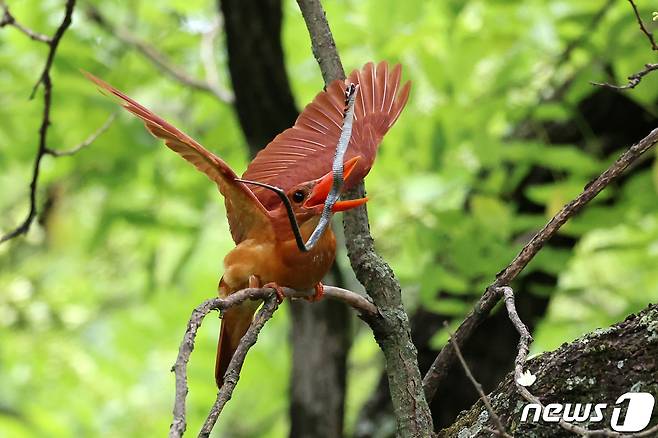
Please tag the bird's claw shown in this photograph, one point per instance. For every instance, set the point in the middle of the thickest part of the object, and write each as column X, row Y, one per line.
column 280, row 295
column 319, row 293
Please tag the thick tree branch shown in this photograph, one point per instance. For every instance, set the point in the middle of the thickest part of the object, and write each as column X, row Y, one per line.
column 179, row 424
column 600, row 366
column 391, row 330
column 322, row 41
column 491, row 296
column 159, row 59
column 44, row 79
column 523, row 350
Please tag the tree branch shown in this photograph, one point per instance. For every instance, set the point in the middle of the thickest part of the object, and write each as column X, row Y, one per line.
column 491, row 296
column 159, row 59
column 500, row 429
column 322, row 41
column 179, row 424
column 633, row 80
column 643, row 27
column 88, row 141
column 44, row 79
column 391, row 330
column 9, row 20
column 233, row 372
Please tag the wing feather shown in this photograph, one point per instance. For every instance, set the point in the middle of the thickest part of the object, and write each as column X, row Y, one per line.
column 309, row 146
column 246, row 215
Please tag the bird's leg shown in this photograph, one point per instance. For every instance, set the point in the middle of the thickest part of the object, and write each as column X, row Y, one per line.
column 254, row 281
column 280, row 296
column 319, row 293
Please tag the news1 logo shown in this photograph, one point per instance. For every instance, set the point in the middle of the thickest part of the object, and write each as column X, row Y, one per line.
column 638, row 413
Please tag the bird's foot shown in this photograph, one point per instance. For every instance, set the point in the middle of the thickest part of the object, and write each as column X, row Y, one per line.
column 280, row 295
column 319, row 293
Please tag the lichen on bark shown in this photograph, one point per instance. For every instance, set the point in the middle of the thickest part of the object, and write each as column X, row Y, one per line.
column 596, row 368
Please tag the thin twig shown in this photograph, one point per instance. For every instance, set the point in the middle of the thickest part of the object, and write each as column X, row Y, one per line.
column 525, row 339
column 643, row 27
column 232, row 374
column 158, row 58
column 500, row 428
column 9, row 20
column 88, row 141
column 633, row 80
column 486, row 303
column 44, row 79
column 179, row 424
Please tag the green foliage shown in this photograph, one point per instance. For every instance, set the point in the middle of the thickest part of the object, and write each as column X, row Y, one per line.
column 94, row 301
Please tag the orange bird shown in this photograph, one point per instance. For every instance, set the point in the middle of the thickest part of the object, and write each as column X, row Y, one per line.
column 298, row 161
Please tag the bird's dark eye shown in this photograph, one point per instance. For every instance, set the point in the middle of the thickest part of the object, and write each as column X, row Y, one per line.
column 298, row 196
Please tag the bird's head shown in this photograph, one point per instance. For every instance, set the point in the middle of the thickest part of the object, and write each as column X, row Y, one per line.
column 308, row 198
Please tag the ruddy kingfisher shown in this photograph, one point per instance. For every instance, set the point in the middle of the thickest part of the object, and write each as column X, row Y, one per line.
column 298, row 161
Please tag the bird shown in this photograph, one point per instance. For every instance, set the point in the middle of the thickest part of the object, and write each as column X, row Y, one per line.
column 299, row 162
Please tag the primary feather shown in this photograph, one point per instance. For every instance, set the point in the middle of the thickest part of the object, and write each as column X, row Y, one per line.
column 305, row 151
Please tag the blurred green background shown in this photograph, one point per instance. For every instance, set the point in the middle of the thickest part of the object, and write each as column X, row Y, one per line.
column 130, row 238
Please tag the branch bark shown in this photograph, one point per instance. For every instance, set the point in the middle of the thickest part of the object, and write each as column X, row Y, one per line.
column 391, row 330
column 643, row 28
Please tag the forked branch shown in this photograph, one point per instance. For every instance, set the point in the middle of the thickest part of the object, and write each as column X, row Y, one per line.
column 46, row 81
column 179, row 423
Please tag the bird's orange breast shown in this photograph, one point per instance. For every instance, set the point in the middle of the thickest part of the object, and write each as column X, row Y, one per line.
column 280, row 262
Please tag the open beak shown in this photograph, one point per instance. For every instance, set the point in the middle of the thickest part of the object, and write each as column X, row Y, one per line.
column 323, row 187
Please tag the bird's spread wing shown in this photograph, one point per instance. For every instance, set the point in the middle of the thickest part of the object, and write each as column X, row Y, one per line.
column 246, row 215
column 305, row 151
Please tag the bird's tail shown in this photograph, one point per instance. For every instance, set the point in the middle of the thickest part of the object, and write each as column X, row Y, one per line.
column 235, row 322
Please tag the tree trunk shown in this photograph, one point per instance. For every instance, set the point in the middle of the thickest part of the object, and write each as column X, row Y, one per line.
column 320, row 332
column 321, row 338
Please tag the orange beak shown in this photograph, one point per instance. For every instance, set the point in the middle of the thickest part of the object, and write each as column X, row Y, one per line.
column 323, row 187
